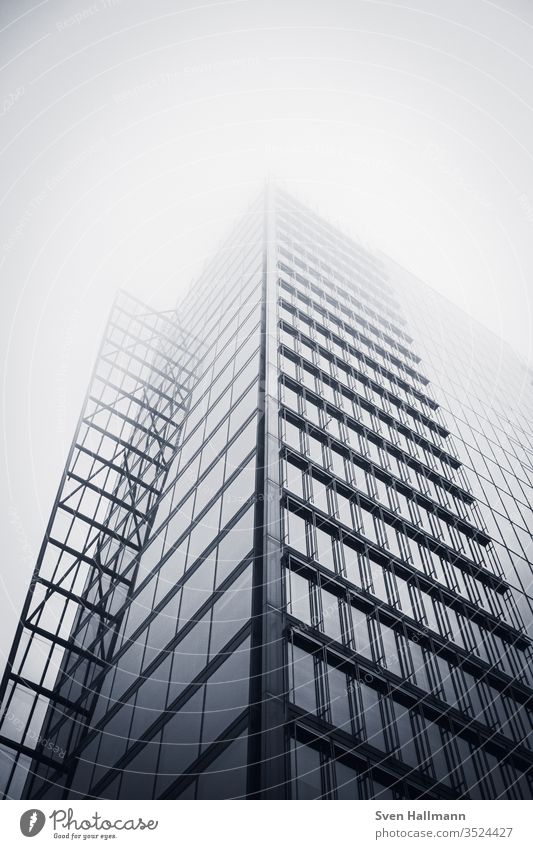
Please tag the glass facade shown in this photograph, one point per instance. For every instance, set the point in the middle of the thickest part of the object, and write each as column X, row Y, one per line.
column 323, row 589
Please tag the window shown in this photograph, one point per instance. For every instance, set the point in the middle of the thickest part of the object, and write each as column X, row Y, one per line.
column 293, row 479
column 225, row 777
column 299, row 598
column 338, row 464
column 325, row 552
column 203, row 532
column 238, row 492
column 180, row 742
column 347, row 782
column 339, row 699
column 307, row 780
column 231, row 611
column 235, row 545
column 419, row 666
column 295, row 528
column 226, row 693
column 390, row 650
column 368, row 526
column 189, row 658
column 315, row 450
column 290, row 398
column 331, row 616
column 241, row 447
column 312, row 411
column 292, row 435
column 405, row 731
column 320, row 494
column 210, row 485
column 179, row 521
column 373, row 720
column 351, row 564
column 197, row 590
column 378, row 580
column 361, row 633
column 345, row 510
column 303, row 680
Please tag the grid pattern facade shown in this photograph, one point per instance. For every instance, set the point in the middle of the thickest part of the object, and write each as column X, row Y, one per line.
column 330, row 597
column 101, row 518
column 173, row 696
column 409, row 665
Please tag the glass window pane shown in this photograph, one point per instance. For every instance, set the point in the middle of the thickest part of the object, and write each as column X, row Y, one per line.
column 294, row 479
column 339, row 701
column 231, row 611
column 372, row 716
column 225, row 777
column 296, row 531
column 181, row 742
column 238, row 492
column 227, row 693
column 361, row 633
column 303, row 680
column 331, row 616
column 307, row 773
column 300, row 605
column 325, row 549
column 235, row 545
column 347, row 782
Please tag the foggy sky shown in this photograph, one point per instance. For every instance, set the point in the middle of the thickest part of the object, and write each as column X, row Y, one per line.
column 132, row 133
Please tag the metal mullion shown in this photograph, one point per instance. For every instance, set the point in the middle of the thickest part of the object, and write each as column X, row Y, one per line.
column 133, row 398
column 66, row 644
column 44, row 691
column 138, row 341
column 168, row 423
column 124, row 444
column 356, row 334
column 68, row 549
column 72, row 597
column 131, row 356
column 88, row 560
column 85, row 482
column 172, row 341
column 130, row 394
column 390, row 617
column 137, row 480
column 135, row 424
column 23, row 682
column 149, row 408
column 124, row 470
column 22, row 749
column 107, row 495
column 34, row 620
column 99, row 639
column 99, row 526
column 140, row 381
column 84, row 436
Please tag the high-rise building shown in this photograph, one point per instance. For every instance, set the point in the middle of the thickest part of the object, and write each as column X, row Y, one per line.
column 289, row 556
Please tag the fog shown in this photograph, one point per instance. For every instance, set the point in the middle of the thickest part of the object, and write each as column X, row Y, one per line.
column 133, row 133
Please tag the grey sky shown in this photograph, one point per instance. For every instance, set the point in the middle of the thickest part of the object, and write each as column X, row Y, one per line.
column 133, row 132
